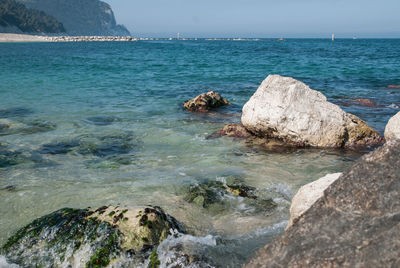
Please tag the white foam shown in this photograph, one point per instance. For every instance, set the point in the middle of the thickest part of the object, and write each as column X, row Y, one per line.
column 5, row 264
column 175, row 250
column 393, row 106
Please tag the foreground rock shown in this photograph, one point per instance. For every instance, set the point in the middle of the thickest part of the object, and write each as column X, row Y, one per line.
column 91, row 238
column 392, row 130
column 205, row 102
column 308, row 195
column 355, row 223
column 288, row 110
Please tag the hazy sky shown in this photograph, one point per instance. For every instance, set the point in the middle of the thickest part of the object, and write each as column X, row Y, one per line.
column 259, row 18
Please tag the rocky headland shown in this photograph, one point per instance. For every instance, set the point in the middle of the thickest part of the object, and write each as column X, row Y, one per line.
column 81, row 17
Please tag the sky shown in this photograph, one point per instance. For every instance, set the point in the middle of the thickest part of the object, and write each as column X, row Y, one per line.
column 259, row 18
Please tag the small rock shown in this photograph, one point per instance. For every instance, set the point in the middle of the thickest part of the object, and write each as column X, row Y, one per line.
column 204, row 102
column 392, row 130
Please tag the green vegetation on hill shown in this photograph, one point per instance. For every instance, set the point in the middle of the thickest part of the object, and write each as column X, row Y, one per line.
column 26, row 19
column 81, row 17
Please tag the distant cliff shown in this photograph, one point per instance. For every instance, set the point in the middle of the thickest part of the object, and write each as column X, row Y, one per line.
column 17, row 18
column 81, row 17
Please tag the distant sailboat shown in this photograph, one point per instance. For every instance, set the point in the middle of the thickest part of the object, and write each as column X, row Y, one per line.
column 333, row 37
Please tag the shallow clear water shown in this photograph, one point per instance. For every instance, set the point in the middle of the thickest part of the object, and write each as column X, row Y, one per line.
column 126, row 98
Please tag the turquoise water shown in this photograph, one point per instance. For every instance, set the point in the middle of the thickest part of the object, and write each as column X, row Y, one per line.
column 126, row 100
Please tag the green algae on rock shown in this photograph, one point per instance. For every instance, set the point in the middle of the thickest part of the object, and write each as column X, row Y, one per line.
column 211, row 193
column 93, row 238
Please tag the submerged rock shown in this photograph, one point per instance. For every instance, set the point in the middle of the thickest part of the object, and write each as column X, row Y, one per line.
column 205, row 102
column 354, row 224
column 10, row 158
column 217, row 194
column 61, row 147
column 107, row 145
column 38, row 126
column 393, row 86
column 367, row 102
column 113, row 148
column 103, row 120
column 357, row 102
column 91, row 238
column 392, row 130
column 9, row 127
column 308, row 194
column 14, row 112
column 288, row 110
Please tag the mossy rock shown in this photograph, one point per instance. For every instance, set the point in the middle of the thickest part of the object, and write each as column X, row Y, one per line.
column 206, row 193
column 95, row 238
column 211, row 193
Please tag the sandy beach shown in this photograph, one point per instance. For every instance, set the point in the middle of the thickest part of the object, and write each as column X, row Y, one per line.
column 8, row 37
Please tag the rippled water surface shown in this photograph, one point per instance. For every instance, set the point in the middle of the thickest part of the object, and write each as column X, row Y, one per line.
column 93, row 124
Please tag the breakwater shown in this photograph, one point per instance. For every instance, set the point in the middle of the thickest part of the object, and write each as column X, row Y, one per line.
column 88, row 38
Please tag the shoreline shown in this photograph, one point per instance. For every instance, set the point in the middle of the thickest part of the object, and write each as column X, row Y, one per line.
column 16, row 38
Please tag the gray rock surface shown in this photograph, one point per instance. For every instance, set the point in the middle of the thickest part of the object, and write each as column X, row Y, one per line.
column 81, row 17
column 392, row 130
column 286, row 109
column 355, row 224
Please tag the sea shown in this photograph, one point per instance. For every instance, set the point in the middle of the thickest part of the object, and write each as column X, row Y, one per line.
column 88, row 124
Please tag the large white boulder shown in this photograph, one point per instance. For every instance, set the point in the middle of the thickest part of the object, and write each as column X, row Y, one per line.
column 308, row 195
column 286, row 109
column 392, row 130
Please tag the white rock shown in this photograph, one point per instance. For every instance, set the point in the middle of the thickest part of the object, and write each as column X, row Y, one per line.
column 289, row 110
column 392, row 130
column 308, row 195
